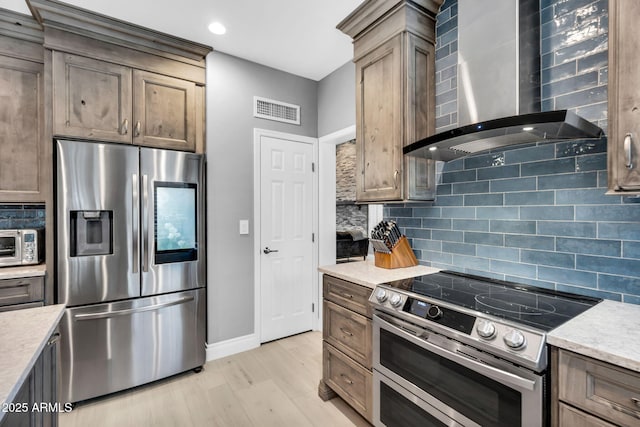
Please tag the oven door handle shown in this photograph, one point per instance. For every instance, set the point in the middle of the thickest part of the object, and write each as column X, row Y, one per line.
column 419, row 337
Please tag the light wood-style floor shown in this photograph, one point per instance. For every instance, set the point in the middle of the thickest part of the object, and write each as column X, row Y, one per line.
column 273, row 385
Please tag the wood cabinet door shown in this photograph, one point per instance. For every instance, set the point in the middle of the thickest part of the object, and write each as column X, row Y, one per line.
column 624, row 97
column 164, row 112
column 419, row 116
column 379, row 116
column 91, row 98
column 22, row 162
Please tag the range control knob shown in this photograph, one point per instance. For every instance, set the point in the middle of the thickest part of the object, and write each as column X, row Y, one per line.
column 434, row 312
column 514, row 339
column 395, row 300
column 381, row 295
column 486, row 329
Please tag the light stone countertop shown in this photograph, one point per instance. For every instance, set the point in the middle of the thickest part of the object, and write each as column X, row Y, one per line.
column 22, row 271
column 365, row 273
column 24, row 334
column 609, row 331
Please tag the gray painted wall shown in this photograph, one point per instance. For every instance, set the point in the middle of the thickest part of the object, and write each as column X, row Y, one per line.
column 231, row 85
column 337, row 100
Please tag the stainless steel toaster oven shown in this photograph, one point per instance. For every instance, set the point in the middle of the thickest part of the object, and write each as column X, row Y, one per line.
column 21, row 247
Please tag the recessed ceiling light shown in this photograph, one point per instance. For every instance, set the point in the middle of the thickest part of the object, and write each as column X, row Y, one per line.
column 217, row 28
column 433, row 148
column 527, row 128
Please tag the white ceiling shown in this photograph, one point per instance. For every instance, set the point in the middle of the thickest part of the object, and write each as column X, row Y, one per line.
column 296, row 36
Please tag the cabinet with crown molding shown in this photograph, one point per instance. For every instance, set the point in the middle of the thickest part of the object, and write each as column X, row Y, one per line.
column 394, row 54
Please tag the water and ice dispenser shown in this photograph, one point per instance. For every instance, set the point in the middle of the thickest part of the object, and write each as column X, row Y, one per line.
column 91, row 233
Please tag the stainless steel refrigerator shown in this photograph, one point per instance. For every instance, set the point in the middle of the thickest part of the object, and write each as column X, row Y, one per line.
column 130, row 265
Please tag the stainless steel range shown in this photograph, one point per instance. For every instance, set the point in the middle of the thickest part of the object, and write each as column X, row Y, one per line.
column 460, row 350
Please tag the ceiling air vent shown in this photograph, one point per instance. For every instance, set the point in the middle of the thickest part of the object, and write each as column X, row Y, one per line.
column 275, row 110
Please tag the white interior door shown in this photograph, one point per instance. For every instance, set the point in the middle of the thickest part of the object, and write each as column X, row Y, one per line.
column 286, row 217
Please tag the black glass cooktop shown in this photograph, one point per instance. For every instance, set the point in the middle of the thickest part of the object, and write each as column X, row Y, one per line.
column 540, row 308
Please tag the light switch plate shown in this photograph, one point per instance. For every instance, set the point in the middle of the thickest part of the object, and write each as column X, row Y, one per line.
column 244, row 226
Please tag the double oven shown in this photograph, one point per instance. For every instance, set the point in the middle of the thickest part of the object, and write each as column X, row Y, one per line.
column 458, row 350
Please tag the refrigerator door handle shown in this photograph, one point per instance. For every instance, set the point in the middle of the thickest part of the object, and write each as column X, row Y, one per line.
column 145, row 224
column 128, row 311
column 135, row 220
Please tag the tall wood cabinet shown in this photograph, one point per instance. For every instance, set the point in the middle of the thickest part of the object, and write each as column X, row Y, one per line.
column 394, row 55
column 624, row 98
column 23, row 166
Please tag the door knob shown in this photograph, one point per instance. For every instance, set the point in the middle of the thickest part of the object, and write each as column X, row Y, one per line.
column 268, row 251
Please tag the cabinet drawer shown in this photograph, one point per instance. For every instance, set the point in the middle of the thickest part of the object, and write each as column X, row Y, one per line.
column 17, row 291
column 349, row 332
column 606, row 391
column 571, row 417
column 349, row 380
column 347, row 294
column 21, row 306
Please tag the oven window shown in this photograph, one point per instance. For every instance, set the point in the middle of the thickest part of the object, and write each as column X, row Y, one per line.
column 481, row 399
column 7, row 247
column 396, row 411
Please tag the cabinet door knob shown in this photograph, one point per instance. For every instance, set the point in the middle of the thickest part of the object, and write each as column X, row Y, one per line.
column 395, row 178
column 125, row 127
column 54, row 338
column 627, row 151
column 136, row 132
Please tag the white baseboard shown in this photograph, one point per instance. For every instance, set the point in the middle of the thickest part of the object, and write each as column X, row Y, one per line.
column 233, row 346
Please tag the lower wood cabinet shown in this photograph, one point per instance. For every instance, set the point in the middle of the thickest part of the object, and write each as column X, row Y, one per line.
column 570, row 416
column 594, row 393
column 19, row 293
column 36, row 403
column 347, row 351
column 350, row 380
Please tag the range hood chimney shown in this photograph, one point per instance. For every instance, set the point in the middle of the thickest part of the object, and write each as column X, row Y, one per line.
column 499, row 85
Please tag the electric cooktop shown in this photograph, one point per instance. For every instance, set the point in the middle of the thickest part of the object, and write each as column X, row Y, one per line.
column 541, row 308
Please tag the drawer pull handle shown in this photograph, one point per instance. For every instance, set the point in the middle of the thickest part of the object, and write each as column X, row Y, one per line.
column 18, row 285
column 348, row 296
column 54, row 338
column 636, row 401
column 344, row 331
column 346, row 379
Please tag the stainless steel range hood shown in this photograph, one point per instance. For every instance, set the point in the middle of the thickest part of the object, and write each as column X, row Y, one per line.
column 498, row 75
column 480, row 137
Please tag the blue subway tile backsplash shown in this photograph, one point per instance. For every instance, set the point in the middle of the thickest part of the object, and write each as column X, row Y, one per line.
column 564, row 233
column 536, row 214
column 21, row 216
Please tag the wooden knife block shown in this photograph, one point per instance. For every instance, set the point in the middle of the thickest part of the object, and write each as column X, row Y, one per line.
column 401, row 256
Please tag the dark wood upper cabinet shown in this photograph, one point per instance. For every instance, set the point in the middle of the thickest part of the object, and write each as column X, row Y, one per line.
column 23, row 166
column 91, row 98
column 394, row 54
column 624, row 98
column 118, row 82
column 164, row 111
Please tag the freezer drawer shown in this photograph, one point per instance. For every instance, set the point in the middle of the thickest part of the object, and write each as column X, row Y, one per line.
column 111, row 347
